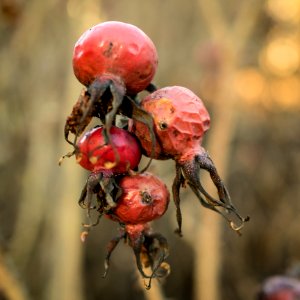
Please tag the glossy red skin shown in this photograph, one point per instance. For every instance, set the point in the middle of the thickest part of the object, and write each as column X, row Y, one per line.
column 117, row 50
column 95, row 156
column 186, row 118
column 132, row 209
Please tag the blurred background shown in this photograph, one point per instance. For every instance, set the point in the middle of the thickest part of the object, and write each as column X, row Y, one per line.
column 242, row 58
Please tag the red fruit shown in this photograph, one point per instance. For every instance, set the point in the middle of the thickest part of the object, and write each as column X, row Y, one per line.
column 113, row 60
column 144, row 198
column 180, row 122
column 117, row 50
column 95, row 155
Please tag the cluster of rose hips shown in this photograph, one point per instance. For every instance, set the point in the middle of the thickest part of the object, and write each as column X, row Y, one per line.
column 116, row 61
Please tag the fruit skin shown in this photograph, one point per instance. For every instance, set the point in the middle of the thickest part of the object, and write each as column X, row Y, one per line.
column 117, row 50
column 144, row 198
column 180, row 121
column 94, row 155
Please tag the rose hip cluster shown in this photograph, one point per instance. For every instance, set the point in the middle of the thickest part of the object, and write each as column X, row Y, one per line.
column 116, row 61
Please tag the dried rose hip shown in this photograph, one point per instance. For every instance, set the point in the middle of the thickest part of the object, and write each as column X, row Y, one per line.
column 112, row 59
column 144, row 198
column 180, row 122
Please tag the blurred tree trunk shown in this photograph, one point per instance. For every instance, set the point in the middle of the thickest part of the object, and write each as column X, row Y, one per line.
column 11, row 287
column 231, row 40
column 42, row 80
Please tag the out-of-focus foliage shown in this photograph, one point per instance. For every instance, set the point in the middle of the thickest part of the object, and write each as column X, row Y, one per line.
column 242, row 58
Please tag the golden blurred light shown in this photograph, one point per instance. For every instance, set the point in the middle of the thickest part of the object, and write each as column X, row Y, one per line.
column 286, row 92
column 87, row 13
column 281, row 56
column 249, row 84
column 284, row 10
column 73, row 9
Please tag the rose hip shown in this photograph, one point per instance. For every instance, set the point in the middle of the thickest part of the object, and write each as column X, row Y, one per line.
column 118, row 50
column 144, row 198
column 93, row 154
column 113, row 60
column 150, row 249
column 180, row 122
column 106, row 161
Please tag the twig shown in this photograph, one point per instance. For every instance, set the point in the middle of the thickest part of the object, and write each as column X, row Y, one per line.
column 213, row 16
column 32, row 205
column 244, row 24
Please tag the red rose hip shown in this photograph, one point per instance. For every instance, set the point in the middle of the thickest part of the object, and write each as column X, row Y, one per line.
column 144, row 198
column 180, row 122
column 118, row 50
column 115, row 61
column 95, row 155
column 105, row 161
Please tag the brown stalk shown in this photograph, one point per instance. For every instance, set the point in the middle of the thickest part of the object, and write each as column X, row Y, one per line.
column 232, row 40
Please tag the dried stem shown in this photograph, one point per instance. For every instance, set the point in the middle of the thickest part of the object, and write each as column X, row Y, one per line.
column 31, row 209
column 155, row 293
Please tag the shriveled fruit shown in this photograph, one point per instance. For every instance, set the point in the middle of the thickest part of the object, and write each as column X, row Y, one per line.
column 144, row 198
column 180, row 122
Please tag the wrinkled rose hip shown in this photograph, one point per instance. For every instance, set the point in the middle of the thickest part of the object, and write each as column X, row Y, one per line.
column 180, row 122
column 144, row 198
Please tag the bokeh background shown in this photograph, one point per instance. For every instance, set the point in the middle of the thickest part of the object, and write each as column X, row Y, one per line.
column 242, row 58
